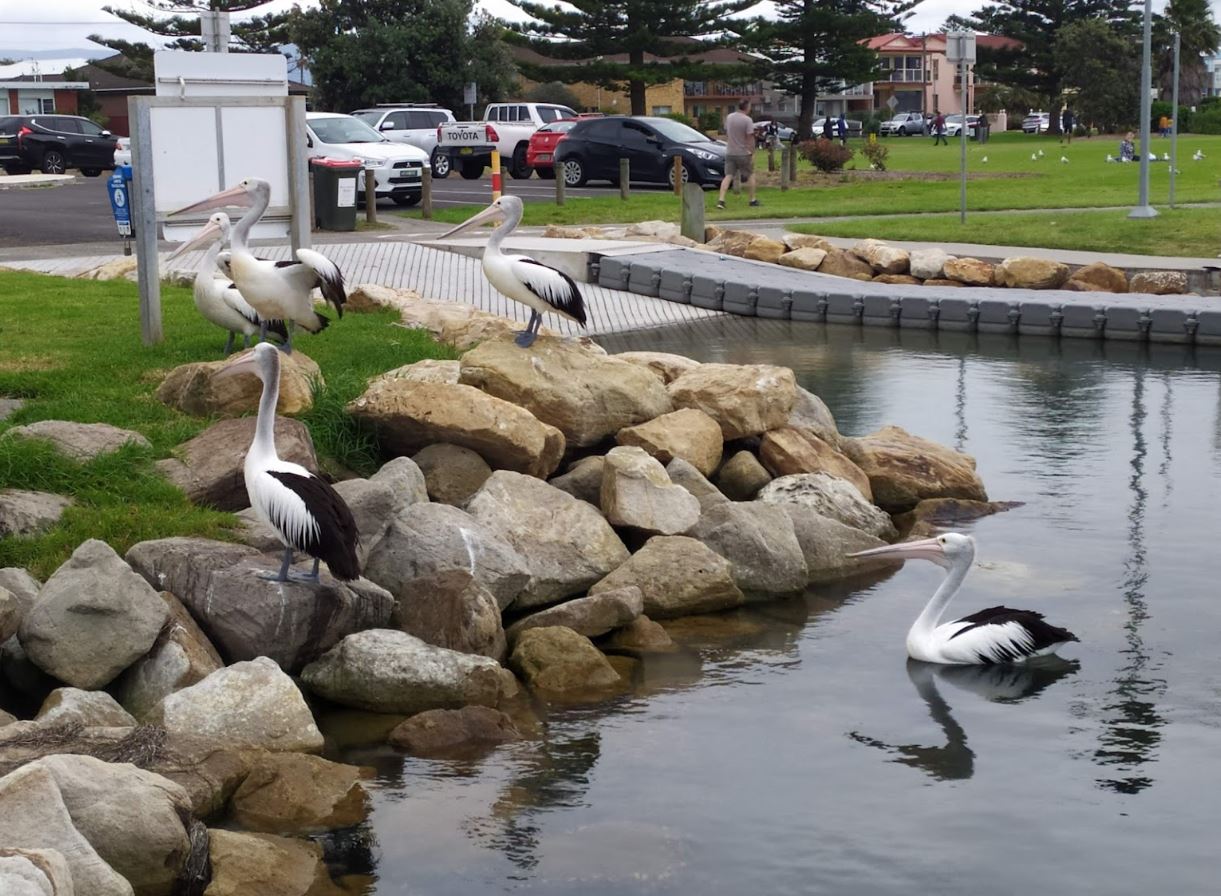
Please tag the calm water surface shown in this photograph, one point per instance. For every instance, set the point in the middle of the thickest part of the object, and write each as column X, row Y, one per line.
column 791, row 748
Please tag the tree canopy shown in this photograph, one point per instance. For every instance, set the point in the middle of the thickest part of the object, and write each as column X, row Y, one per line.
column 1097, row 63
column 1200, row 36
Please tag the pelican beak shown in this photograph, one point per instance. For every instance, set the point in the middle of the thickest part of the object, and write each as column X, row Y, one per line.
column 244, row 364
column 234, row 197
column 206, row 235
column 925, row 549
column 488, row 214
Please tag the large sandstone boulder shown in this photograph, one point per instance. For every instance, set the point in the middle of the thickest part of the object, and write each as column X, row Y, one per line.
column 903, row 279
column 394, row 672
column 826, row 544
column 807, row 241
column 586, row 396
column 1031, row 273
column 687, row 433
column 250, row 704
column 759, row 542
column 209, row 467
column 246, row 615
column 558, row 659
column 88, row 708
column 1159, row 283
column 34, row 872
column 682, row 473
column 429, row 370
column 452, row 609
column 1101, row 275
column 452, row 473
column 676, row 576
column 590, row 616
column 830, row 496
column 883, row 258
column 372, row 505
column 266, row 865
column 666, row 365
column 79, row 441
column 24, row 513
column 811, row 412
column 583, row 479
column 742, row 476
column 928, row 263
column 93, row 618
column 904, row 469
column 639, row 637
column 443, row 732
column 11, row 611
column 637, row 492
column 970, row 271
column 409, row 415
column 405, row 479
column 566, row 544
column 299, row 794
column 787, row 451
column 763, row 248
column 744, row 399
column 460, row 325
column 842, row 263
column 804, row 259
column 427, row 539
column 21, row 585
column 198, row 389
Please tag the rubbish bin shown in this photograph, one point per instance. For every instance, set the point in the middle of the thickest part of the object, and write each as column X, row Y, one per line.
column 335, row 182
column 982, row 129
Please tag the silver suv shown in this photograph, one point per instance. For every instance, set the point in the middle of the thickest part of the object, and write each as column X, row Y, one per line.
column 903, row 124
column 407, row 123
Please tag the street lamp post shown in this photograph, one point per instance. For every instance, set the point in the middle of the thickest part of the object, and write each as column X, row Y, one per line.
column 1143, row 208
column 1174, row 127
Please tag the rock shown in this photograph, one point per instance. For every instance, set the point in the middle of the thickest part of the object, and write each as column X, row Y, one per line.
column 742, row 476
column 796, row 241
column 1031, row 273
column 826, row 544
column 93, row 618
column 21, row 585
column 11, row 612
column 639, row 637
column 394, row 672
column 429, row 370
column 940, row 281
column 115, row 269
column 1158, row 283
column 904, row 469
column 970, row 271
column 10, row 406
column 246, row 616
column 586, row 396
column 687, row 433
column 842, row 263
column 409, row 416
column 787, row 451
column 654, row 230
column 25, row 513
column 583, row 480
column 763, row 248
column 88, row 708
column 209, row 772
column 209, row 467
column 1082, row 286
column 830, row 496
column 6, row 718
column 427, row 539
column 732, row 242
column 676, row 576
column 744, row 399
column 758, row 541
column 296, row 793
column 373, row 504
column 805, row 259
column 452, row 609
column 636, row 492
column 19, row 672
column 33, row 816
column 884, row 259
column 34, row 872
column 590, row 616
column 199, row 389
column 460, row 325
column 442, row 732
column 811, row 412
column 375, row 297
column 558, row 659
column 1101, row 275
column 939, row 514
column 79, row 441
column 452, row 473
column 667, row 366
column 266, row 865
column 682, row 473
column 928, row 263
column 249, row 704
column 566, row 544
column 181, row 656
column 904, row 279
column 135, row 819
column 405, row 480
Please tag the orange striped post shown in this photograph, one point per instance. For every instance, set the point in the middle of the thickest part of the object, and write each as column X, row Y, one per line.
column 495, row 174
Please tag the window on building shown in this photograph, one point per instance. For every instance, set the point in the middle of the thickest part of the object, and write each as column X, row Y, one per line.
column 46, row 107
column 935, row 67
column 662, row 110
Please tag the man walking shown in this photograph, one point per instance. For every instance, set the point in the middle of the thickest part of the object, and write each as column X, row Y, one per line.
column 939, row 130
column 1067, row 122
column 740, row 152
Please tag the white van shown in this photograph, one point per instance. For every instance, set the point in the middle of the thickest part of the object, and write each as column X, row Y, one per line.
column 398, row 168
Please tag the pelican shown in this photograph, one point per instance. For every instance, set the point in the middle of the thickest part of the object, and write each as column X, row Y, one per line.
column 522, row 279
column 994, row 635
column 277, row 290
column 306, row 512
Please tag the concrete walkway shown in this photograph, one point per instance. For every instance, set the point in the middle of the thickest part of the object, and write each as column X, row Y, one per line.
column 28, row 181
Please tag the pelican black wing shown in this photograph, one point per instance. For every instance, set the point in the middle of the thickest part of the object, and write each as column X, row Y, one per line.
column 1042, row 634
column 335, row 541
column 555, row 288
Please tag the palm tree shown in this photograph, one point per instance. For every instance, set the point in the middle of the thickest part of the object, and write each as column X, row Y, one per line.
column 1201, row 36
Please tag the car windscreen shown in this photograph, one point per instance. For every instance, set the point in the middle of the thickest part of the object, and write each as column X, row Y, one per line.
column 677, row 131
column 344, row 130
column 370, row 117
column 554, row 113
column 9, row 124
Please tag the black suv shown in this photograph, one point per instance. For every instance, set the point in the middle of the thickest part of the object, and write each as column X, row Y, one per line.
column 593, row 148
column 54, row 143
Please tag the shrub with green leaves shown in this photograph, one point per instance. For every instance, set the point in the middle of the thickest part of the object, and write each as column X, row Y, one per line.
column 876, row 153
column 825, row 155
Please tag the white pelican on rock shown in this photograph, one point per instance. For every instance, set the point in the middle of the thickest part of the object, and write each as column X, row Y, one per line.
column 278, row 290
column 994, row 635
column 306, row 512
column 537, row 286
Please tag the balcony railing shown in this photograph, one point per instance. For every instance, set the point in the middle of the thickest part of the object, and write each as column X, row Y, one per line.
column 719, row 89
column 907, row 75
column 855, row 90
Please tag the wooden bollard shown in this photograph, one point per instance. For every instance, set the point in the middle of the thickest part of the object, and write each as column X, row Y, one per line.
column 625, row 179
column 370, row 196
column 771, row 157
column 793, row 164
column 426, row 193
column 693, row 212
column 678, row 175
column 559, row 186
column 784, row 168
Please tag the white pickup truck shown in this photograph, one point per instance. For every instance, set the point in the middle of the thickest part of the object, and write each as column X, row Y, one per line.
column 467, row 145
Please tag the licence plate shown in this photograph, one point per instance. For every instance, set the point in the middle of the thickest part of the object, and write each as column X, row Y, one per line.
column 544, row 157
column 5, row 141
column 465, row 151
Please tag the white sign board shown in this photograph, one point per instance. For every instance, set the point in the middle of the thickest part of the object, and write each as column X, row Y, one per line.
column 468, row 94
column 960, row 47
column 181, row 73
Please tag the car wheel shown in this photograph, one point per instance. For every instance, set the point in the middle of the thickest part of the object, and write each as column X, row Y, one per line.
column 546, row 173
column 688, row 174
column 91, row 172
column 408, row 199
column 518, row 168
column 574, row 173
column 440, row 164
column 902, row 132
column 53, row 162
column 471, row 169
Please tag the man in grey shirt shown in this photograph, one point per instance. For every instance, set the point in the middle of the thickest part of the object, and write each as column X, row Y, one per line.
column 740, row 152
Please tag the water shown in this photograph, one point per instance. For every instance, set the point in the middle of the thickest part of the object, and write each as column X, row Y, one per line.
column 792, row 749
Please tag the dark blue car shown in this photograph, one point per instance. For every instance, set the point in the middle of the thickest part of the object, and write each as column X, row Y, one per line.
column 593, row 148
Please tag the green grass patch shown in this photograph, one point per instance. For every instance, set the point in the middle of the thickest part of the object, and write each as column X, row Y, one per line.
column 72, row 349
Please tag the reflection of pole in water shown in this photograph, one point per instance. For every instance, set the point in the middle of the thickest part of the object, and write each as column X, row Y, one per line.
column 1131, row 734
column 1163, row 469
column 960, row 406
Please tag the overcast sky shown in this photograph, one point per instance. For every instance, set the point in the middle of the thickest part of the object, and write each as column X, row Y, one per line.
column 61, row 24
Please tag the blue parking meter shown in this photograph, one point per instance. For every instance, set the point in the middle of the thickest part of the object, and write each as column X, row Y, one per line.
column 119, row 188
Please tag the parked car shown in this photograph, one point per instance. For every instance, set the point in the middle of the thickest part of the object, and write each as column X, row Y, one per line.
column 407, row 123
column 953, row 125
column 398, row 168
column 593, row 148
column 783, row 132
column 53, row 144
column 854, row 127
column 1036, row 123
column 540, row 153
column 468, row 145
column 904, row 124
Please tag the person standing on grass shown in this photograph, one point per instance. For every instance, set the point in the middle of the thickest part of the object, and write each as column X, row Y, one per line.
column 1067, row 122
column 739, row 152
column 841, row 125
column 939, row 130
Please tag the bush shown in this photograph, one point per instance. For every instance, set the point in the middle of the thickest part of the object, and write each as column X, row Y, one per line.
column 680, row 118
column 825, row 155
column 554, row 92
column 1158, row 108
column 876, row 153
column 1207, row 121
column 710, row 122
column 872, row 124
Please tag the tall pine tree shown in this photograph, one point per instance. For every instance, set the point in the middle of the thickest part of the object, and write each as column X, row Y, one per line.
column 1200, row 37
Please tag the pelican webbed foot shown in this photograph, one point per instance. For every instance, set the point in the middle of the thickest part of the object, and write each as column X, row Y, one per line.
column 525, row 338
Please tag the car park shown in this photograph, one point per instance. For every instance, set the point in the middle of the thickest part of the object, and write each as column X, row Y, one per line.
column 507, row 127
column 1036, row 123
column 53, row 144
column 540, row 154
column 853, row 126
column 407, row 123
column 783, row 132
column 904, row 124
column 593, row 148
column 398, row 168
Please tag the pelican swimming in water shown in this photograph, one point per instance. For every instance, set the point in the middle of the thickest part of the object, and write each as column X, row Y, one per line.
column 306, row 512
column 277, row 290
column 994, row 635
column 519, row 277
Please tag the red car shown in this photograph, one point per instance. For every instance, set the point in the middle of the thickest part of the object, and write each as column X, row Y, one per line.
column 540, row 153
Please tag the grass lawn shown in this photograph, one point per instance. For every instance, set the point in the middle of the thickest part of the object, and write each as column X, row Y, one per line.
column 72, row 350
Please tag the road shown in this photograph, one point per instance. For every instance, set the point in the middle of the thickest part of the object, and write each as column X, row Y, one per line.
column 80, row 212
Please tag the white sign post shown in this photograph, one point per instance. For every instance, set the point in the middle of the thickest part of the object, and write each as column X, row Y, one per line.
column 960, row 48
